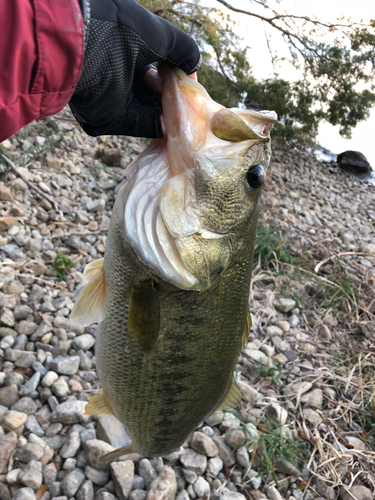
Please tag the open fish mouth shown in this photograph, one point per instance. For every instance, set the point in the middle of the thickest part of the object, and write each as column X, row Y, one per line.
column 161, row 207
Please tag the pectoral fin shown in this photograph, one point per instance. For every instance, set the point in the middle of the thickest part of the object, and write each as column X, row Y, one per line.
column 228, row 126
column 109, row 457
column 232, row 398
column 205, row 258
column 89, row 306
column 98, row 405
column 144, row 314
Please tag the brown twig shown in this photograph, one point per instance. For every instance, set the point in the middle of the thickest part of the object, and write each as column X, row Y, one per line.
column 74, row 233
column 341, row 254
column 31, row 184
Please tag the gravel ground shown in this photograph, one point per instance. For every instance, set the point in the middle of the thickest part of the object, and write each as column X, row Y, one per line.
column 303, row 430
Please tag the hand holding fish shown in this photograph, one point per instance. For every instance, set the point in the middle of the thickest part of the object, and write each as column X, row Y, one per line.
column 113, row 94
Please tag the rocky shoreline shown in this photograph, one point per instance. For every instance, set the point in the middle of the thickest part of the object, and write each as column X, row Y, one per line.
column 303, row 431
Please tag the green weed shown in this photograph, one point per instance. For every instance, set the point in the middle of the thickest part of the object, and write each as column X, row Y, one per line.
column 335, row 295
column 368, row 420
column 272, row 446
column 62, row 263
column 274, row 373
column 271, row 248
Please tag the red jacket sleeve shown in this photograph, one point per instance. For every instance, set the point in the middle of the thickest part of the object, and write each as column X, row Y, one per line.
column 41, row 55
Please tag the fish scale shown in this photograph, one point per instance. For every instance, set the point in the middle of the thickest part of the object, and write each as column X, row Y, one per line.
column 174, row 312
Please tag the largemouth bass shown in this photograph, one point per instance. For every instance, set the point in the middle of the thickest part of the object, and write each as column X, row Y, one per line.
column 172, row 293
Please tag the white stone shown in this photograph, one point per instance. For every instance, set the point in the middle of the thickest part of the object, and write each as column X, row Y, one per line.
column 49, row 378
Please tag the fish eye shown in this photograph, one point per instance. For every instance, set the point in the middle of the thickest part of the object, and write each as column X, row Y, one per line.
column 255, row 176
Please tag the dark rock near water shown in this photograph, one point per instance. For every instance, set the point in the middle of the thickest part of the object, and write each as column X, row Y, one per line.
column 353, row 160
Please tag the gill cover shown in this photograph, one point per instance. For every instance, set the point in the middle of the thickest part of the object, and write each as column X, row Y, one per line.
column 164, row 221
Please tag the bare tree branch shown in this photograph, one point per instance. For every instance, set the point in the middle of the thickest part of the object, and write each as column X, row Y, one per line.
column 177, row 14
column 285, row 16
column 223, row 70
column 286, row 32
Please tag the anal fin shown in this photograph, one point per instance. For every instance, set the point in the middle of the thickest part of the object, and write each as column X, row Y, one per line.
column 89, row 306
column 232, row 398
column 98, row 405
column 144, row 314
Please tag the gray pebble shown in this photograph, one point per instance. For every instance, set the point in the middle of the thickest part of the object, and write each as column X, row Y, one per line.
column 138, row 483
column 182, row 495
column 24, row 494
column 71, row 482
column 71, row 445
column 53, row 403
column 105, row 495
column 215, row 465
column 111, row 430
column 83, row 342
column 65, row 365
column 38, row 367
column 31, row 475
column 146, row 471
column 69, row 464
column 88, row 434
column 29, row 452
column 70, row 412
column 9, row 395
column 201, row 487
column 97, row 476
column 25, row 405
column 137, row 495
column 194, row 461
column 242, row 457
column 30, row 385
column 49, row 474
column 55, row 489
column 86, row 491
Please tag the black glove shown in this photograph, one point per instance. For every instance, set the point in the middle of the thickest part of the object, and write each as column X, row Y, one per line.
column 122, row 40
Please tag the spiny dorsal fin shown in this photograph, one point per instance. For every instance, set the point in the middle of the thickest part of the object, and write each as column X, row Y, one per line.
column 232, row 398
column 98, row 405
column 89, row 306
column 228, row 126
column 246, row 331
column 144, row 314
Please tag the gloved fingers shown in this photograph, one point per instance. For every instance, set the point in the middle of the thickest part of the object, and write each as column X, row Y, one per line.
column 153, row 81
column 161, row 40
column 140, row 120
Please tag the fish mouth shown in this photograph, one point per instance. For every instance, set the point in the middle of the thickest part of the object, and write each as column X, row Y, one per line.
column 161, row 206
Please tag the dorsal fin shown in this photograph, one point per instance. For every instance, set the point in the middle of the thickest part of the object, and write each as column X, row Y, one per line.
column 89, row 306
